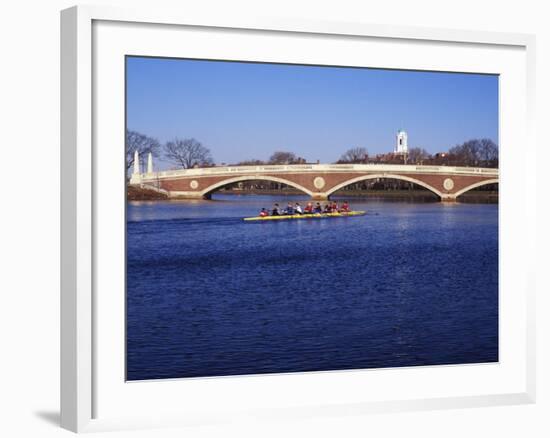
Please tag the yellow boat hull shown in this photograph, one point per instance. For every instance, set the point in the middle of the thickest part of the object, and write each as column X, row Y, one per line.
column 305, row 216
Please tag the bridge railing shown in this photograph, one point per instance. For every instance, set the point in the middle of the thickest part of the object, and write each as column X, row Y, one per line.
column 403, row 168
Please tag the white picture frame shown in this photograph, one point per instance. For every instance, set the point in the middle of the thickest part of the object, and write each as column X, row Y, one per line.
column 85, row 177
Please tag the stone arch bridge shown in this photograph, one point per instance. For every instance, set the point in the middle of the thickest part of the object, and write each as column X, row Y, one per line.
column 319, row 181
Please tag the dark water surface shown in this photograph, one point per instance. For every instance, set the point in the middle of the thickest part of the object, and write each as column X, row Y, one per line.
column 408, row 284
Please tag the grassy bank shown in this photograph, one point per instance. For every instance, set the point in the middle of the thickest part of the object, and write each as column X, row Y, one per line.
column 139, row 194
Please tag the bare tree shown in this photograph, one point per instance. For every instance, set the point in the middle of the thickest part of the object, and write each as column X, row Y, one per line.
column 187, row 153
column 476, row 152
column 136, row 141
column 354, row 155
column 281, row 157
column 488, row 152
column 418, row 155
column 465, row 154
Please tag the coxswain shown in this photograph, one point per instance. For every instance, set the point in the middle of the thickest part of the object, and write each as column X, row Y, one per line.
column 264, row 213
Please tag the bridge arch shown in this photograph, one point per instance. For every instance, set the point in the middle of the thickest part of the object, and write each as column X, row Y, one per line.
column 382, row 175
column 207, row 191
column 476, row 185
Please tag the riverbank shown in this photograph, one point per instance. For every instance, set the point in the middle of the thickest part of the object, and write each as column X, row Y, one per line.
column 140, row 194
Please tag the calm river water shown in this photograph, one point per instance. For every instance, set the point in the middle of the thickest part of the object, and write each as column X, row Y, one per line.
column 209, row 294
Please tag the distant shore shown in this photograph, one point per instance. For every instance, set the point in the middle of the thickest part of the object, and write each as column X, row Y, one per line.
column 488, row 197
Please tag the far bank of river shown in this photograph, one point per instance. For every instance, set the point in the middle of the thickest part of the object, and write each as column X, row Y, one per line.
column 475, row 196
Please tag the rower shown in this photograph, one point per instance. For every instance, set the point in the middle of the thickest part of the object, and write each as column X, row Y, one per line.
column 289, row 209
column 298, row 208
column 276, row 211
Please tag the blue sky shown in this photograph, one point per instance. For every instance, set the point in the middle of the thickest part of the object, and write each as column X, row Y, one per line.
column 248, row 110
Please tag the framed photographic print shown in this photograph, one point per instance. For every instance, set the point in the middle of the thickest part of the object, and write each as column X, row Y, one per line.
column 288, row 218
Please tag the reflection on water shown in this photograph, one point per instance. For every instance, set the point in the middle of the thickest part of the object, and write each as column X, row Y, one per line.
column 209, row 294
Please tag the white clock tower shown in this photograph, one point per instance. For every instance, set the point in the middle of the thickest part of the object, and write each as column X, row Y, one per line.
column 401, row 143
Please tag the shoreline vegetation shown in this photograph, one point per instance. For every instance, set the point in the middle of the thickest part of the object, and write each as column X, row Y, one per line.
column 473, row 196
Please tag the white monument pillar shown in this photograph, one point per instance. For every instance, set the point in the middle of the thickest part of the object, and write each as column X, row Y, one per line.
column 150, row 163
column 136, row 163
column 136, row 174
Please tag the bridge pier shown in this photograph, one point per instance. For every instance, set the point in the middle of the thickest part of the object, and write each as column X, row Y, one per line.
column 187, row 195
column 319, row 197
column 448, row 198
